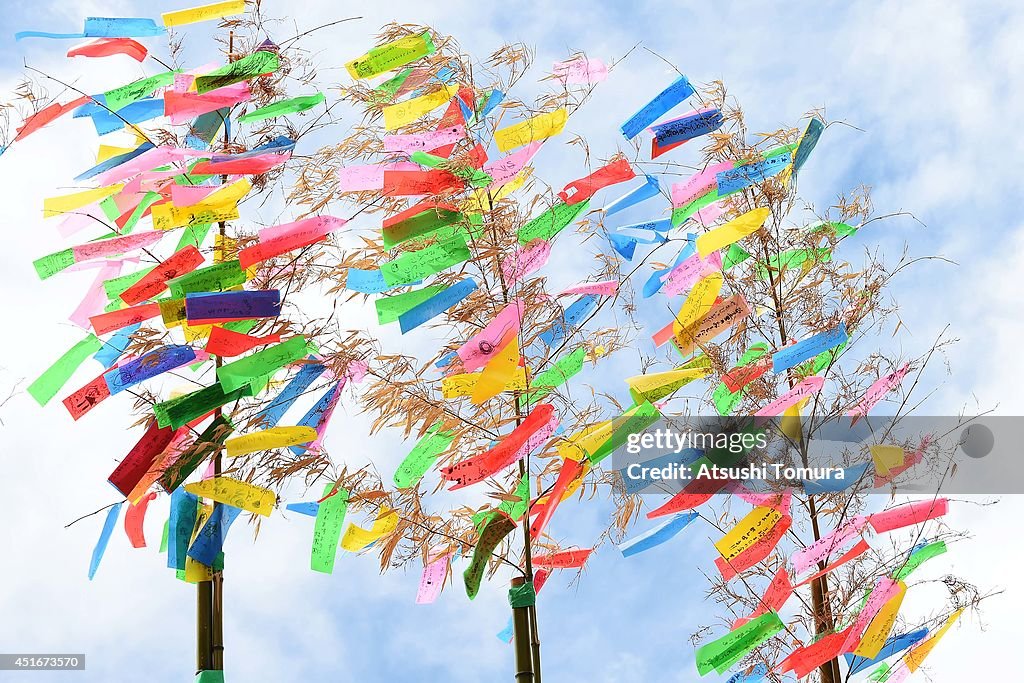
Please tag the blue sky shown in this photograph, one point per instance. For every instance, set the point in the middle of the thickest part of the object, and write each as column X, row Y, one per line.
column 932, row 85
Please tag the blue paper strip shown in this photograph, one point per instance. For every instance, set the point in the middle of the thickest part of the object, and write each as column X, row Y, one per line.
column 101, row 544
column 275, row 410
column 735, row 179
column 493, row 100
column 576, row 312
column 666, row 100
column 205, row 128
column 649, row 189
column 316, row 413
column 262, row 303
column 893, row 645
column 137, row 112
column 156, row 362
column 114, row 161
column 115, row 347
column 366, row 281
column 210, row 540
column 662, row 225
column 805, row 349
column 310, row 509
column 686, row 456
column 182, row 522
column 687, row 128
column 435, row 305
column 807, row 143
column 756, row 675
column 658, row 535
column 833, row 483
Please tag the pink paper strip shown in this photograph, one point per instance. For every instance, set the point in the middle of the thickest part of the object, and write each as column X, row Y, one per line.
column 686, row 274
column 95, row 299
column 370, row 176
column 808, row 387
column 476, row 352
column 580, row 71
column 710, row 213
column 803, row 558
column 697, row 184
column 507, row 167
column 424, row 142
column 908, row 515
column 885, row 590
column 432, row 580
column 528, row 260
column 116, row 245
column 150, row 159
column 604, row 288
column 874, row 394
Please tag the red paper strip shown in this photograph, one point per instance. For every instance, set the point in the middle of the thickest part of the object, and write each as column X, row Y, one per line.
column 134, row 519
column 908, row 515
column 742, row 375
column 755, row 553
column 115, row 320
column 804, row 660
column 140, row 458
column 47, row 115
column 106, row 47
column 294, row 236
column 567, row 559
column 851, row 554
column 697, row 492
column 566, row 475
column 155, row 281
column 88, row 397
column 452, row 117
column 225, row 343
column 246, row 166
column 657, row 150
column 778, row 592
column 582, row 189
column 417, row 209
column 415, row 183
column 488, row 463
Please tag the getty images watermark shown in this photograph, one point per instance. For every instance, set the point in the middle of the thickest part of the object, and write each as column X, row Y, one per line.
column 917, row 454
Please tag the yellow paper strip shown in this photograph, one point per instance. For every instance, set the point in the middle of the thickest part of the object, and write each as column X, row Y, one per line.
column 356, row 538
column 747, row 532
column 109, row 151
column 660, row 384
column 886, row 458
column 914, row 658
column 217, row 10
column 55, row 206
column 455, row 386
column 404, row 113
column 221, row 205
column 733, row 231
column 239, row 494
column 195, row 571
column 497, row 373
column 697, row 305
column 539, row 127
column 268, row 439
column 878, row 630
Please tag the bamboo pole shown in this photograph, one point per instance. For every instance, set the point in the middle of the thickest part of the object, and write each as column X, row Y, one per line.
column 521, row 636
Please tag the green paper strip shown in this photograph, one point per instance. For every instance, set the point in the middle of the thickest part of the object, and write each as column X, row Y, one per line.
column 115, row 287
column 551, row 222
column 680, row 214
column 209, row 443
column 183, row 409
column 388, row 88
column 720, row 654
column 919, row 557
column 215, row 278
column 51, row 264
column 516, row 509
column 147, row 201
column 735, row 256
column 283, row 108
column 558, row 374
column 726, row 401
column 194, row 235
column 389, row 308
column 244, row 370
column 494, row 532
column 251, row 66
column 393, row 55
column 416, row 265
column 118, row 98
column 163, row 537
column 419, row 225
column 634, row 420
column 522, row 596
column 58, row 374
column 330, row 517
column 422, row 456
column 473, row 176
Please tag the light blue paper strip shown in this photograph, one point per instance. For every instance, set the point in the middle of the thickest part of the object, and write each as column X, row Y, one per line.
column 275, row 410
column 210, row 540
column 366, row 281
column 833, row 483
column 805, row 349
column 756, row 675
column 506, row 633
column 180, row 526
column 115, row 347
column 686, row 456
column 310, row 509
column 666, row 100
column 101, row 544
column 574, row 315
column 436, row 305
column 493, row 100
column 658, row 535
column 893, row 645
column 649, row 189
column 661, row 225
column 316, row 413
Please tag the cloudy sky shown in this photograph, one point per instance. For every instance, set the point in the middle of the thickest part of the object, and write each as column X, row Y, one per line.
column 932, row 86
